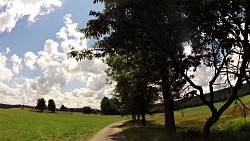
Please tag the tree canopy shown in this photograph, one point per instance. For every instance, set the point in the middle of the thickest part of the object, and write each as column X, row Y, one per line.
column 153, row 36
column 40, row 104
column 109, row 106
column 51, row 105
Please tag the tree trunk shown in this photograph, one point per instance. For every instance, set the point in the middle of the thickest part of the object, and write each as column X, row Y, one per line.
column 138, row 116
column 143, row 120
column 168, row 106
column 169, row 116
column 209, row 123
column 133, row 117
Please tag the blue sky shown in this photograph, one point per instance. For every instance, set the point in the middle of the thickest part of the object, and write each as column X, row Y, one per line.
column 34, row 40
column 35, row 36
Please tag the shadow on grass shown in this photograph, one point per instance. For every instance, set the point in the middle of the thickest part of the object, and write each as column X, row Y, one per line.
column 117, row 137
column 156, row 132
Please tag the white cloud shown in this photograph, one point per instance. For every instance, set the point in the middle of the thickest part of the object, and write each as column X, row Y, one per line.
column 7, row 50
column 16, row 63
column 29, row 60
column 5, row 72
column 70, row 35
column 96, row 81
column 14, row 10
column 10, row 95
column 58, row 72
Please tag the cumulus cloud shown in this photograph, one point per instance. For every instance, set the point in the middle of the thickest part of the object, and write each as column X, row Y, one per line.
column 57, row 72
column 96, row 82
column 5, row 73
column 70, row 36
column 10, row 95
column 14, row 10
column 30, row 60
column 16, row 63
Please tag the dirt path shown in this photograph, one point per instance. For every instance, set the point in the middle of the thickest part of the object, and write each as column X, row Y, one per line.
column 110, row 133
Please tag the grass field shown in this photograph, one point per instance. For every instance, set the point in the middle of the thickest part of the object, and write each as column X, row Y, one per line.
column 230, row 127
column 24, row 125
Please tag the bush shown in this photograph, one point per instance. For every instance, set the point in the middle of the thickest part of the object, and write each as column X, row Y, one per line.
column 86, row 110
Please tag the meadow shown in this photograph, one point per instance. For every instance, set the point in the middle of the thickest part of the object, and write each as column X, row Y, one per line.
column 26, row 125
column 230, row 127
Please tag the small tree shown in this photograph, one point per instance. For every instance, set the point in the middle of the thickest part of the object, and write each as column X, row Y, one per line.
column 63, row 108
column 52, row 106
column 86, row 110
column 40, row 104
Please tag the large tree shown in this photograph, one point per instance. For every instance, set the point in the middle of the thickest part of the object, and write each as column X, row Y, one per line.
column 221, row 37
column 129, row 27
column 51, row 105
column 216, row 30
column 40, row 104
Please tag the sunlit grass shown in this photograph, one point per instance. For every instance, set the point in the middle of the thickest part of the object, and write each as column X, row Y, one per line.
column 20, row 125
column 230, row 127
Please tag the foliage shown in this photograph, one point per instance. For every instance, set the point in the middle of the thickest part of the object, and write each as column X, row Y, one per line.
column 108, row 106
column 130, row 32
column 63, row 108
column 51, row 105
column 217, row 32
column 40, row 104
column 133, row 91
column 95, row 111
column 222, row 38
column 86, row 110
column 23, row 125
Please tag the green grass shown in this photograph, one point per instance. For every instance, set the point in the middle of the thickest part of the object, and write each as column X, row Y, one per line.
column 230, row 127
column 24, row 125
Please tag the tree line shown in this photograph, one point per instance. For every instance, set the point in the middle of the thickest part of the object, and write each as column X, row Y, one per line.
column 41, row 106
column 143, row 42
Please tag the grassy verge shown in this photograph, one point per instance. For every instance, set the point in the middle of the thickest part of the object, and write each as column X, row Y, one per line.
column 20, row 125
column 230, row 127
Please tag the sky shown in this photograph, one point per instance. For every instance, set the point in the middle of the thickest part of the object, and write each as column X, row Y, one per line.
column 35, row 36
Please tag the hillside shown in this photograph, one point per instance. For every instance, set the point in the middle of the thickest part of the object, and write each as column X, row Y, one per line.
column 219, row 96
column 232, row 126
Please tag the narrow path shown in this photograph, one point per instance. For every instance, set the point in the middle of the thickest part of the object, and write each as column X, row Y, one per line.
column 113, row 132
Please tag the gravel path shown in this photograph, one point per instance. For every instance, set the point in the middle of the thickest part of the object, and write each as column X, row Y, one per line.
column 113, row 132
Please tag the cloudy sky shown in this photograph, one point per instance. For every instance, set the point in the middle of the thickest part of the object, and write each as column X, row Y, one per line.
column 35, row 36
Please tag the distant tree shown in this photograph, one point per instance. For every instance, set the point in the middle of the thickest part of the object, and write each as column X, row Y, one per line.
column 95, row 111
column 63, row 108
column 86, row 110
column 108, row 107
column 71, row 110
column 51, row 105
column 40, row 104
